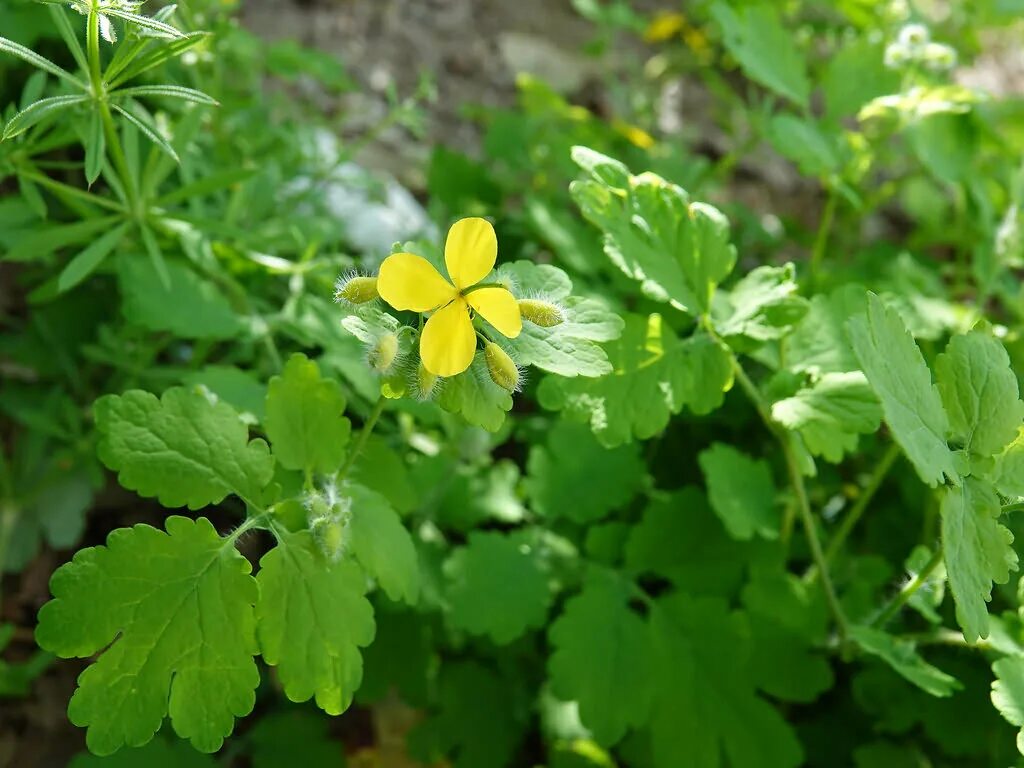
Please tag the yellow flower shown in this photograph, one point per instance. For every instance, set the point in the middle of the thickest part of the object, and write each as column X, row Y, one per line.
column 448, row 341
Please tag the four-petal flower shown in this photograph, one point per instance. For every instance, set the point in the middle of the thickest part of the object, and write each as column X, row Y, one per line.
column 448, row 341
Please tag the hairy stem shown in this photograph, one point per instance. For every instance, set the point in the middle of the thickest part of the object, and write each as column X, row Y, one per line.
column 908, row 591
column 364, row 435
column 803, row 506
column 867, row 494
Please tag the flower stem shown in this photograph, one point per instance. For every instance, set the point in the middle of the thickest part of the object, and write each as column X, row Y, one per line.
column 857, row 510
column 364, row 435
column 821, row 238
column 803, row 506
column 908, row 591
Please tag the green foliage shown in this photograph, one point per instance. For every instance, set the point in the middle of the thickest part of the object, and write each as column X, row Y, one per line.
column 768, row 261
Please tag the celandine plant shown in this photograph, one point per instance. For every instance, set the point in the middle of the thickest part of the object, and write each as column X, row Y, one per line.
column 739, row 514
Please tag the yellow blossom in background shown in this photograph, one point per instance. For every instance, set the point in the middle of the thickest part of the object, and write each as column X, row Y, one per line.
column 410, row 282
column 664, row 25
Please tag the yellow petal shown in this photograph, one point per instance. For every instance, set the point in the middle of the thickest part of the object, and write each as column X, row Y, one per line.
column 411, row 282
column 470, row 251
column 499, row 308
column 448, row 340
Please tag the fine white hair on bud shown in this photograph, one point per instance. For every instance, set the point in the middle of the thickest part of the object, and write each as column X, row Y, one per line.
column 546, row 314
column 329, row 514
column 502, row 368
column 354, row 288
column 383, row 355
column 426, row 382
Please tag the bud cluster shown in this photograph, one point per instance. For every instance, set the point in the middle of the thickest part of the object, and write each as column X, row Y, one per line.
column 329, row 514
column 913, row 45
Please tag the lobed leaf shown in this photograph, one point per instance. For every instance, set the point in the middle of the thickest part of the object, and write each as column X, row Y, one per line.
column 182, row 449
column 304, row 418
column 910, row 401
column 311, row 620
column 171, row 615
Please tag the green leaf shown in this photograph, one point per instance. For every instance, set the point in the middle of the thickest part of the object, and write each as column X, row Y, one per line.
column 655, row 375
column 304, row 420
column 805, row 143
column 1008, row 693
column 95, row 147
column 575, row 477
column 765, row 49
column 36, row 111
column 831, row 413
column 293, row 737
column 147, row 23
column 236, row 387
column 789, row 626
column 705, row 705
column 311, row 620
column 172, row 614
column 186, row 305
column 382, row 544
column 33, row 58
column 480, row 722
column 1009, row 468
column 681, row 539
column 476, row 397
column 32, row 196
column 166, row 91
column 979, row 392
column 902, row 656
column 764, row 305
column 495, row 588
column 741, row 491
column 819, row 343
column 602, row 659
column 159, row 753
column 677, row 249
column 87, row 260
column 912, row 406
column 182, row 449
column 977, row 549
column 140, row 120
column 569, row 348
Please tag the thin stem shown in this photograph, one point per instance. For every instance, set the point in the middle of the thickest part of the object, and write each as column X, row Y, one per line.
column 908, row 591
column 99, row 93
column 857, row 510
column 364, row 435
column 803, row 506
column 256, row 521
column 821, row 238
column 945, row 636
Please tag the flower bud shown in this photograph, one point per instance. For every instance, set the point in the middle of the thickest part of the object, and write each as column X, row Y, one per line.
column 939, row 57
column 913, row 36
column 357, row 289
column 425, row 382
column 504, row 372
column 383, row 353
column 542, row 313
column 331, row 535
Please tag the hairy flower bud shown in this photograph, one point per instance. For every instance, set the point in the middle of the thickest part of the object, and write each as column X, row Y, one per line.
column 504, row 372
column 383, row 353
column 356, row 289
column 425, row 382
column 542, row 313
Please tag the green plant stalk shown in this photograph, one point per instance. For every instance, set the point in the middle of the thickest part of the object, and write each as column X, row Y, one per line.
column 100, row 95
column 857, row 510
column 803, row 506
column 821, row 238
column 364, row 435
column 901, row 598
